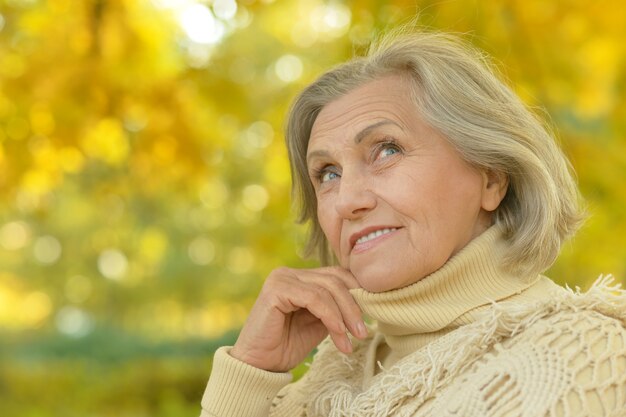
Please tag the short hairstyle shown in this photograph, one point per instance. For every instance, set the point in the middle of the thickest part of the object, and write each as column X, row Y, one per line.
column 456, row 91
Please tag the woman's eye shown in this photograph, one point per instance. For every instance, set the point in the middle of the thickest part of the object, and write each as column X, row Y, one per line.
column 388, row 150
column 328, row 176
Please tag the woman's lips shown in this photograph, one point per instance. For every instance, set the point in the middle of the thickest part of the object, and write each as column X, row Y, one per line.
column 370, row 237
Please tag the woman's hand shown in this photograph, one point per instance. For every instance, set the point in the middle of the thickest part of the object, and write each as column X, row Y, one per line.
column 295, row 311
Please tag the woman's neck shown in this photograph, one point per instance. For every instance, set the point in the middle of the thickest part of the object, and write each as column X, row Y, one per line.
column 468, row 283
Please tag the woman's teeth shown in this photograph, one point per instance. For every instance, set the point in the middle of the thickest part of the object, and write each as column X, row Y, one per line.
column 374, row 235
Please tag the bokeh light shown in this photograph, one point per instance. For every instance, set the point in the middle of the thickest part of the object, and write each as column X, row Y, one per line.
column 200, row 25
column 112, row 264
column 289, row 68
column 73, row 321
column 240, row 260
column 225, row 9
column 255, row 197
column 14, row 235
column 47, row 249
column 258, row 136
column 331, row 20
column 201, row 251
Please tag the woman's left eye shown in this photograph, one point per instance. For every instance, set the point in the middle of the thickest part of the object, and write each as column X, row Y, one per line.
column 387, row 149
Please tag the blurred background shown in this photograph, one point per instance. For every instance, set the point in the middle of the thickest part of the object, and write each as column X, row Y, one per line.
column 144, row 186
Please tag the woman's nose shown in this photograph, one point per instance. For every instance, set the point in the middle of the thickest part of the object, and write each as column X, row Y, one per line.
column 355, row 197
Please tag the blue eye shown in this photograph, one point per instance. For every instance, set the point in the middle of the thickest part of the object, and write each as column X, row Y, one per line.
column 328, row 176
column 387, row 149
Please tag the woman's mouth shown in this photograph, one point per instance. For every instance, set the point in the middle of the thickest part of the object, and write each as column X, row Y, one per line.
column 368, row 238
column 374, row 235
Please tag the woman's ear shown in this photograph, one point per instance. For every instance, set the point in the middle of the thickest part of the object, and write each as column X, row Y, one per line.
column 495, row 184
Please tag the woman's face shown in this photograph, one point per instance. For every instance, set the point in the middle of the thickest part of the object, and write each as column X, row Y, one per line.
column 394, row 198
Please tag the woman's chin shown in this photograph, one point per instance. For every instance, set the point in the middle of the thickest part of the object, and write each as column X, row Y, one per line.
column 380, row 278
column 379, row 281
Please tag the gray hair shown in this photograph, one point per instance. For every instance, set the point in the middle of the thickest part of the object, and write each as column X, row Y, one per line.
column 456, row 91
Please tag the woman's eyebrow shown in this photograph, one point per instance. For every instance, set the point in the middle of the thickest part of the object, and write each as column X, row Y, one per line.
column 358, row 138
column 315, row 154
column 363, row 133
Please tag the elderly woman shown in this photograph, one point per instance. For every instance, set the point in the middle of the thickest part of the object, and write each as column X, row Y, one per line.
column 439, row 199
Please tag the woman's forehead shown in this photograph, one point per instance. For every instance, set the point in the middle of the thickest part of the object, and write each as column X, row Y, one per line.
column 385, row 99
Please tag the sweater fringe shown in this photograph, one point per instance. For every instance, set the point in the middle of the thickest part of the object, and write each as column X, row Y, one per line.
column 421, row 374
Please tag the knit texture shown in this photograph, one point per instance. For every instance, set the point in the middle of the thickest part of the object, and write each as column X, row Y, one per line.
column 469, row 340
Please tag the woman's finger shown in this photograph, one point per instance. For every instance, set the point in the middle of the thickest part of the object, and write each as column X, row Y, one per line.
column 315, row 298
column 335, row 283
column 343, row 274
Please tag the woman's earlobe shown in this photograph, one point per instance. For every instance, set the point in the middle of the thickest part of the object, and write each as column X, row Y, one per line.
column 495, row 185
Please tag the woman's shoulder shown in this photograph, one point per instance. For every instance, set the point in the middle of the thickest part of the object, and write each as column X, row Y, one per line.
column 560, row 357
column 584, row 324
column 581, row 333
column 563, row 313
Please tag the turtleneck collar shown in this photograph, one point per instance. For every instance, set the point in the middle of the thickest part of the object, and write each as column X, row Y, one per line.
column 470, row 279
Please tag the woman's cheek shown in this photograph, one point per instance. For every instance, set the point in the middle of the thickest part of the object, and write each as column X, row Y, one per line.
column 334, row 238
column 329, row 224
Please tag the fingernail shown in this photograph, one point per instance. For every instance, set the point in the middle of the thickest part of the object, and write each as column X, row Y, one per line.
column 360, row 329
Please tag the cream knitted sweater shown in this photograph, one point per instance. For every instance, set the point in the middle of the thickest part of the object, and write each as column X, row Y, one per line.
column 468, row 340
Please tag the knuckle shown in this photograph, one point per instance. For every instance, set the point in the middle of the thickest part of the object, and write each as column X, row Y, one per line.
column 272, row 284
column 281, row 270
column 278, row 274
